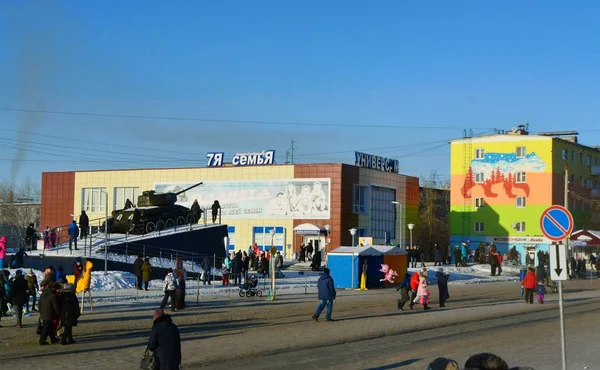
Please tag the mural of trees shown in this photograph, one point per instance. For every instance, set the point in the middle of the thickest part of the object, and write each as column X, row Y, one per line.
column 508, row 181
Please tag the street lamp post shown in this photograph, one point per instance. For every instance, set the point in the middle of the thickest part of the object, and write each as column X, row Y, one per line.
column 327, row 229
column 401, row 228
column 353, row 233
column 410, row 229
column 272, row 232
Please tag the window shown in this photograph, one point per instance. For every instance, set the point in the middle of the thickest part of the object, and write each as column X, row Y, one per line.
column 582, row 181
column 521, row 152
column 520, row 227
column 574, row 206
column 93, row 200
column 122, row 194
column 479, row 227
column 479, row 202
column 360, row 199
column 565, row 154
column 521, row 177
column 572, row 180
column 479, row 178
column 383, row 213
column 572, row 156
column 589, row 160
column 521, row 201
column 581, row 158
column 479, row 153
column 589, row 183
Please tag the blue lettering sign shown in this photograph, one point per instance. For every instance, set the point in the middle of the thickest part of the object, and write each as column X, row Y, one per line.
column 376, row 162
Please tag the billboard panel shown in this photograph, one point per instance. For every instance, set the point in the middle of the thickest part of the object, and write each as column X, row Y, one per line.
column 258, row 199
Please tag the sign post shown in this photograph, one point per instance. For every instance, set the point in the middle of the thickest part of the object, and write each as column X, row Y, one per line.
column 556, row 224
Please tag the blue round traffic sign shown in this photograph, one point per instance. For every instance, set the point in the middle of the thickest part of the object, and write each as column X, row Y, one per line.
column 556, row 223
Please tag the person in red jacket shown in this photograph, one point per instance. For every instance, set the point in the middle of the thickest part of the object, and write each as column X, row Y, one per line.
column 529, row 284
column 414, row 285
column 499, row 257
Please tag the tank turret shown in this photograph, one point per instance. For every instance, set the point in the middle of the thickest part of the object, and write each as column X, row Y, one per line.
column 151, row 199
column 154, row 211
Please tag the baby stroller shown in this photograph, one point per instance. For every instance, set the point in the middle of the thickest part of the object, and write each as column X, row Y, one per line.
column 250, row 288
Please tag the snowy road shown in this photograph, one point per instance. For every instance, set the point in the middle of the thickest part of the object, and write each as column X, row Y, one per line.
column 479, row 317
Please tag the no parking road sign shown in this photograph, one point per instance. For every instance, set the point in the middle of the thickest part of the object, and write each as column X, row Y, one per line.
column 556, row 223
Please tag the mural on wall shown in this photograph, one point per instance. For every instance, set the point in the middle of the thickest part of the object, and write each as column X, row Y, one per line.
column 255, row 199
column 501, row 168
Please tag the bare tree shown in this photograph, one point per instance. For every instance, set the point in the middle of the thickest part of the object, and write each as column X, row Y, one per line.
column 434, row 217
column 19, row 207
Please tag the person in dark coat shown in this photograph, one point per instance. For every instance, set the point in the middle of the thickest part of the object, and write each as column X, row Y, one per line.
column 196, row 210
column 457, row 257
column 442, row 282
column 19, row 261
column 327, row 293
column 19, row 295
column 49, row 309
column 84, row 224
column 206, row 270
column 404, row 290
column 128, row 204
column 165, row 342
column 215, row 210
column 236, row 267
column 69, row 313
column 30, row 237
column 49, row 277
column 137, row 270
column 493, row 261
column 32, row 289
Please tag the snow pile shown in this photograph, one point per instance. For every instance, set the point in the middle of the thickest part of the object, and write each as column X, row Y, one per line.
column 472, row 274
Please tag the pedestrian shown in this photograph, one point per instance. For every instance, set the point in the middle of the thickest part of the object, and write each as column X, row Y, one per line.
column 49, row 309
column 245, row 265
column 2, row 251
column 84, row 224
column 529, row 284
column 404, row 289
column 442, row 282
column 146, row 272
column 73, row 234
column 215, row 211
column 170, row 290
column 19, row 295
column 3, row 298
column 278, row 265
column 414, row 285
column 49, row 277
column 6, row 282
column 437, row 258
column 69, row 313
column 165, row 342
column 493, row 261
column 181, row 276
column 61, row 277
column 19, row 259
column 77, row 270
column 196, row 211
column 47, row 237
column 206, row 270
column 53, row 238
column 541, row 292
column 32, row 289
column 137, row 270
column 423, row 291
column 327, row 293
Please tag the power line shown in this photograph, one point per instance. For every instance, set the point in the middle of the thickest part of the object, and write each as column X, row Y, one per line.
column 196, row 119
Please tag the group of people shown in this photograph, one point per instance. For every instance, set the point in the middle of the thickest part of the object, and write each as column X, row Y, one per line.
column 418, row 287
column 15, row 293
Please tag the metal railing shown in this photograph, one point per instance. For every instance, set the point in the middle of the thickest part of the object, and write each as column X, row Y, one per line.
column 96, row 228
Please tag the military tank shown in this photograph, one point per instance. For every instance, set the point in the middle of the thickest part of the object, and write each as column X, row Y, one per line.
column 153, row 211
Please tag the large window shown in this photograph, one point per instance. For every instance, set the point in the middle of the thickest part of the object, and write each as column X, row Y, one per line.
column 521, row 201
column 93, row 200
column 521, row 151
column 521, row 177
column 565, row 154
column 480, row 178
column 122, row 194
column 360, row 204
column 383, row 213
column 479, row 227
column 520, row 227
column 479, row 202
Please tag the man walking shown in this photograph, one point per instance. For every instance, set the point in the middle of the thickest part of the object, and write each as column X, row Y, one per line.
column 327, row 294
column 73, row 234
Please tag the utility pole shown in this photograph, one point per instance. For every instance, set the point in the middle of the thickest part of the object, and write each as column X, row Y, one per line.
column 292, row 152
column 560, row 283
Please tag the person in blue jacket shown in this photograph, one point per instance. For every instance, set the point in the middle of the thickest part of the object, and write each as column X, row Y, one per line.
column 73, row 234
column 404, row 290
column 327, row 294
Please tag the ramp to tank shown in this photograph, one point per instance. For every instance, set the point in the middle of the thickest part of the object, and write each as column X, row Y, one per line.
column 189, row 240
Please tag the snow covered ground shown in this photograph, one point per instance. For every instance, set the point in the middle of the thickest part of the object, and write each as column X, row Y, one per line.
column 472, row 274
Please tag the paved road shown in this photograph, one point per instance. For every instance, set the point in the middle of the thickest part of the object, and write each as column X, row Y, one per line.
column 250, row 331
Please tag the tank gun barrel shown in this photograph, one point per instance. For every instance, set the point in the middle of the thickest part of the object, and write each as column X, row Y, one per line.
column 191, row 187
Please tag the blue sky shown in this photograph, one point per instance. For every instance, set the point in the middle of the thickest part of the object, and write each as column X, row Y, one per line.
column 434, row 68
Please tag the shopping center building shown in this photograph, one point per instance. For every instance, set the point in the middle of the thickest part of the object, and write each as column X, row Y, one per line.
column 301, row 202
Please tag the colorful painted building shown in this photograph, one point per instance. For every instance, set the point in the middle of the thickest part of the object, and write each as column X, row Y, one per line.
column 299, row 201
column 501, row 184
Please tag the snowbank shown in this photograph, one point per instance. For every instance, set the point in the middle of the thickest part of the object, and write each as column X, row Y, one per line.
column 472, row 274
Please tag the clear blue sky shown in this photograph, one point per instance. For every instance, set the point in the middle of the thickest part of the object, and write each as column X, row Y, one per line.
column 434, row 67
